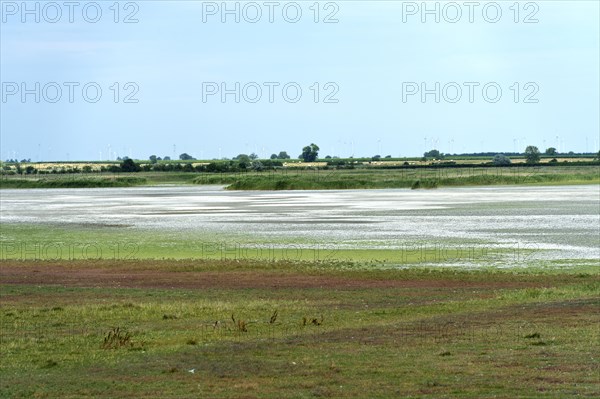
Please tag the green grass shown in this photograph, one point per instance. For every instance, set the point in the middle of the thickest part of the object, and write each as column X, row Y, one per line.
column 66, row 181
column 437, row 333
column 114, row 242
column 97, row 180
column 401, row 178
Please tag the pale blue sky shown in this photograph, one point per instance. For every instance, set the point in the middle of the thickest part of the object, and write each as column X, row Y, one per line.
column 369, row 53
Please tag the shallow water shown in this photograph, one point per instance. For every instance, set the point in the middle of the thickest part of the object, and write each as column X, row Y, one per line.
column 557, row 222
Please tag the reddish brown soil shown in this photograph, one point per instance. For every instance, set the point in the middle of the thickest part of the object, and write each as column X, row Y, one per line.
column 82, row 274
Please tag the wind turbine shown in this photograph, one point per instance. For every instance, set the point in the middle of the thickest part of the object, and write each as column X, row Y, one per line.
column 586, row 145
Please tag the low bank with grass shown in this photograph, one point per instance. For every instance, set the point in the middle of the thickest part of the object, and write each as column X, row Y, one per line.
column 429, row 178
column 73, row 182
column 323, row 178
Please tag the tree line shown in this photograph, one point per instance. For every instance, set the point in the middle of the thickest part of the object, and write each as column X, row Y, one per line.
column 251, row 162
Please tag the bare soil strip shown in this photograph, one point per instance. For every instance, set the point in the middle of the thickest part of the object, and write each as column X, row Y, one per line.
column 81, row 274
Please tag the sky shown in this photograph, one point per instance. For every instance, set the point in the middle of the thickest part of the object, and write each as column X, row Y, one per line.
column 105, row 79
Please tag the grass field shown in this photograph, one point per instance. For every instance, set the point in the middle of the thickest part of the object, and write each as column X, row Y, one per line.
column 245, row 329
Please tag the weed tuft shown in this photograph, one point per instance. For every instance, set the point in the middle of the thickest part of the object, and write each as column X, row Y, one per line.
column 49, row 364
column 312, row 320
column 240, row 325
column 116, row 338
column 333, row 367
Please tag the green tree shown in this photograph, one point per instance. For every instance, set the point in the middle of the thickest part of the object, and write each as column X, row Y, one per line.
column 283, row 155
column 310, row 153
column 153, row 159
column 532, row 154
column 253, row 156
column 257, row 166
column 242, row 158
column 501, row 160
column 129, row 165
column 186, row 157
column 435, row 154
column 551, row 151
column 273, row 156
column 243, row 161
